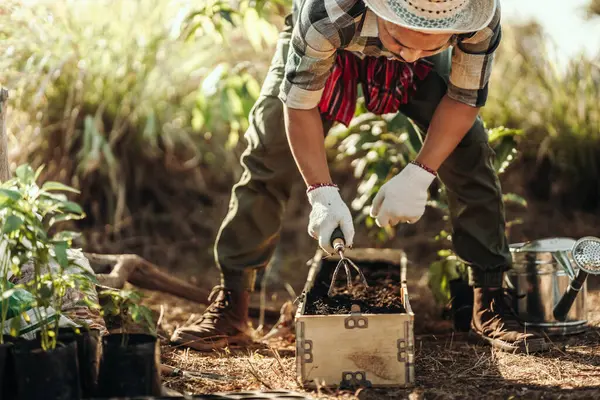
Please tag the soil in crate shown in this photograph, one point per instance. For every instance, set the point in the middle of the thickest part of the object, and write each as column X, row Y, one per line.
column 382, row 296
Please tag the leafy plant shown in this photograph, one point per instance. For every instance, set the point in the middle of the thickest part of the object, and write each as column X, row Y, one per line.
column 125, row 304
column 379, row 147
column 30, row 215
column 108, row 94
column 217, row 19
column 449, row 267
column 232, row 90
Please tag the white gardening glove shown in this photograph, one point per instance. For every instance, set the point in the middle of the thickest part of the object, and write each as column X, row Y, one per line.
column 328, row 212
column 402, row 198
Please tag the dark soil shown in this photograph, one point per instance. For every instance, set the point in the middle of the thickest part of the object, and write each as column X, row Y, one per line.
column 381, row 298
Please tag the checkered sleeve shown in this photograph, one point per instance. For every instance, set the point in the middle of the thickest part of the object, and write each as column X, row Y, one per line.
column 318, row 33
column 472, row 60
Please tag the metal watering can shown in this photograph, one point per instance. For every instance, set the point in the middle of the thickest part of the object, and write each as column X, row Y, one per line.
column 549, row 277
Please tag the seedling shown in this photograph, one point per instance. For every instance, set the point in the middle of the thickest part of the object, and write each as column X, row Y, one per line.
column 30, row 216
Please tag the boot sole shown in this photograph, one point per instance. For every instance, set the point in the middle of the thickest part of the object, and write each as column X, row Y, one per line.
column 529, row 346
column 209, row 343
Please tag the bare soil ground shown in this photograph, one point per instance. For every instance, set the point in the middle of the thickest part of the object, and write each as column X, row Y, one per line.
column 447, row 366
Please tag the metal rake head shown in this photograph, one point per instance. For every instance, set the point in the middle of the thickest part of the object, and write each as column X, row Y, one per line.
column 586, row 254
column 346, row 263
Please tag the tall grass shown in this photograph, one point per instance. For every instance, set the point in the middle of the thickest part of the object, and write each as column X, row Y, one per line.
column 140, row 103
column 556, row 106
column 105, row 94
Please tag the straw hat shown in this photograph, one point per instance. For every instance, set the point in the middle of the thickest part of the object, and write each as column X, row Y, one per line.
column 436, row 16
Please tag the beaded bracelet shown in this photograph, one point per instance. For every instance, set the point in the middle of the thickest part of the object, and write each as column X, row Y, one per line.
column 320, row 185
column 426, row 168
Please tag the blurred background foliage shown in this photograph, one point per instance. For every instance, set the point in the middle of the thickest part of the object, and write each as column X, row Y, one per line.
column 593, row 8
column 142, row 106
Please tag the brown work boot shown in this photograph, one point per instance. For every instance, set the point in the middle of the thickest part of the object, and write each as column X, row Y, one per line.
column 224, row 323
column 495, row 322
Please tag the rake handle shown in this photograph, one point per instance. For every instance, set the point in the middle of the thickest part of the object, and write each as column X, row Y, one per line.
column 337, row 239
column 564, row 305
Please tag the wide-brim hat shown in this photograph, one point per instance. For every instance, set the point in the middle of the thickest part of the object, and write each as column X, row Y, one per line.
column 436, row 16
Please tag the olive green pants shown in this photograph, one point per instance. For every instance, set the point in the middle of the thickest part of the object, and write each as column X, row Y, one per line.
column 250, row 231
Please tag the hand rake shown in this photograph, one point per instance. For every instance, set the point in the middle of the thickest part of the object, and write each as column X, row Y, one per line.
column 339, row 245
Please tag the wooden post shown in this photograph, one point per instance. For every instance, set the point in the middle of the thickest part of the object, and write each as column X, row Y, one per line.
column 4, row 168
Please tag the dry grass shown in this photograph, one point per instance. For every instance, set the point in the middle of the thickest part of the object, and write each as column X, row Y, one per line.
column 447, row 365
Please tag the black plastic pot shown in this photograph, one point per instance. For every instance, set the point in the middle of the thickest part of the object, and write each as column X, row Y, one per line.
column 51, row 375
column 89, row 351
column 461, row 305
column 130, row 366
column 5, row 367
column 8, row 386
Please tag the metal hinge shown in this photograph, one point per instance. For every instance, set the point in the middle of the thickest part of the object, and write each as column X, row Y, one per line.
column 405, row 348
column 304, row 347
column 300, row 298
column 404, row 344
column 356, row 320
column 353, row 379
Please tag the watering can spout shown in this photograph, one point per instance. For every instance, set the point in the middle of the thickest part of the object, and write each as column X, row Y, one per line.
column 586, row 254
column 562, row 258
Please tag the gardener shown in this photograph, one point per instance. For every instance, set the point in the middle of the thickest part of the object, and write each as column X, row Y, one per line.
column 327, row 48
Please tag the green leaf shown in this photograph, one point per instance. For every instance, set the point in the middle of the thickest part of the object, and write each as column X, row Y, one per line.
column 226, row 14
column 58, row 186
column 25, row 173
column 135, row 314
column 7, row 293
column 60, row 251
column 234, row 102
column 198, row 119
column 147, row 315
column 53, row 197
column 254, row 36
column 71, row 207
column 11, row 194
column 11, row 224
column 63, row 217
column 38, row 172
column 66, row 235
column 253, row 88
column 15, row 327
column 515, row 199
column 26, row 316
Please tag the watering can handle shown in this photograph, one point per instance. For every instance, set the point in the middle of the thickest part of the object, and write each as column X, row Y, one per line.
column 564, row 304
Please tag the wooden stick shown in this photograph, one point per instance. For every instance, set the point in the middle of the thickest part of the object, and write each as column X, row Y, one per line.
column 114, row 270
column 4, row 167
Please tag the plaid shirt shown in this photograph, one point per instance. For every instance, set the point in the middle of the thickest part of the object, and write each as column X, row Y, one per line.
column 322, row 27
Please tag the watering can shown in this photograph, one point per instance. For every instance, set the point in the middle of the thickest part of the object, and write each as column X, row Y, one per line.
column 549, row 278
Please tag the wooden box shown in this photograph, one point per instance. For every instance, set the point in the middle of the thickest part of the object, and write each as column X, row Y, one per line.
column 355, row 349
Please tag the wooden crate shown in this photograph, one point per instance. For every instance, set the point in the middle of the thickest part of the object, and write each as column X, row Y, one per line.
column 355, row 350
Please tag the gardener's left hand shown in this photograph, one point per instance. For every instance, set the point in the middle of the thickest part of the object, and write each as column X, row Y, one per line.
column 402, row 198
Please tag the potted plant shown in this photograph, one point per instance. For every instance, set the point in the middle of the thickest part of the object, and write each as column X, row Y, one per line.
column 9, row 308
column 130, row 364
column 80, row 304
column 45, row 366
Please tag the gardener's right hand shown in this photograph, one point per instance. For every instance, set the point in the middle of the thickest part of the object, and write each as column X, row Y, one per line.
column 328, row 212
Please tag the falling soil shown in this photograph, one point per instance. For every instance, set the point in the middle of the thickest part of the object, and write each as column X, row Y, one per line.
column 380, row 298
